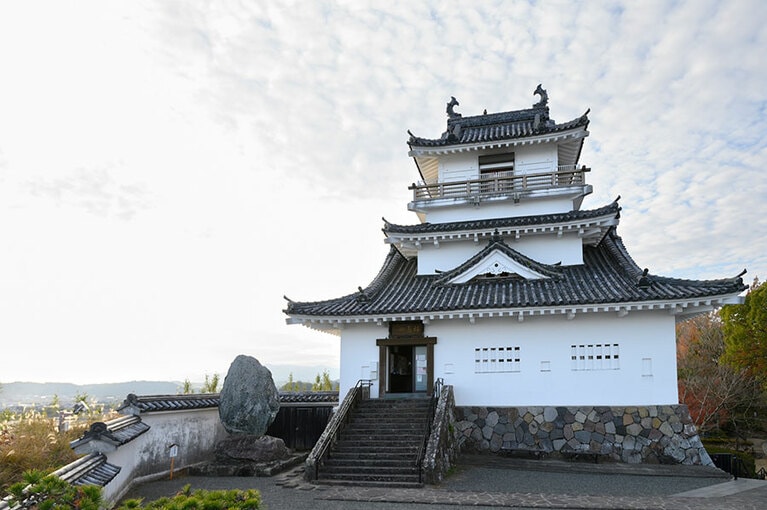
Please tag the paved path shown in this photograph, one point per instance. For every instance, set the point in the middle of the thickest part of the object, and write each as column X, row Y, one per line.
column 482, row 482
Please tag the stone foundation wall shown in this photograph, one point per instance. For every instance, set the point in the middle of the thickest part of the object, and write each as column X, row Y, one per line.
column 442, row 449
column 649, row 434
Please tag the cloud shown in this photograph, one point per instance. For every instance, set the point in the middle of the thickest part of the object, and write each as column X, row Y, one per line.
column 254, row 147
column 96, row 191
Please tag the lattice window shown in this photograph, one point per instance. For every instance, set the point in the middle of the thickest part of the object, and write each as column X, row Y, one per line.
column 595, row 357
column 496, row 359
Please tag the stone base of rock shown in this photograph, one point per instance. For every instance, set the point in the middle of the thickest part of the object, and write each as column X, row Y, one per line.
column 631, row 434
column 248, row 468
column 248, row 448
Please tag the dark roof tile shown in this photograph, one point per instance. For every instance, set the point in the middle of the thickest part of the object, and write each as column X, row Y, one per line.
column 92, row 469
column 118, row 431
column 155, row 403
column 498, row 126
column 612, row 209
column 607, row 276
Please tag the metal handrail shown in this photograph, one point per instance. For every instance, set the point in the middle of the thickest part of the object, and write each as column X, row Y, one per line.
column 360, row 391
column 435, row 394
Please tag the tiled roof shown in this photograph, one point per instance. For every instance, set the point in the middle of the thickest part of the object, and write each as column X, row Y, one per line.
column 498, row 126
column 91, row 469
column 118, row 431
column 308, row 397
column 154, row 403
column 612, row 209
column 608, row 275
column 146, row 404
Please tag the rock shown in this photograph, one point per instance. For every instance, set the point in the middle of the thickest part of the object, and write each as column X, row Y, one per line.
column 249, row 400
column 249, row 448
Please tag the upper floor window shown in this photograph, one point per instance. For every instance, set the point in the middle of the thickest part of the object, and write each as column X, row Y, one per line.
column 495, row 163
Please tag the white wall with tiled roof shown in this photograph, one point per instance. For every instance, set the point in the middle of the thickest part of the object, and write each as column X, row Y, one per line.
column 546, row 373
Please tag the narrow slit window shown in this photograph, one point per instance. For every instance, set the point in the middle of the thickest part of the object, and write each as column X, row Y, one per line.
column 496, row 359
column 590, row 357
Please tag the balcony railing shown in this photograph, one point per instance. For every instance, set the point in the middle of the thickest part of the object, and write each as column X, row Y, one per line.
column 501, row 183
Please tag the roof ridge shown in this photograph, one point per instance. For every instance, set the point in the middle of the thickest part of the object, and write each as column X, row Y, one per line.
column 532, row 219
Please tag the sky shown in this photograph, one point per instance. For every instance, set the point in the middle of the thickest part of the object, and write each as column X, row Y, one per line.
column 170, row 170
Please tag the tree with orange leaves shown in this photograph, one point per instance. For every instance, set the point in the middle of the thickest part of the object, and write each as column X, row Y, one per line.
column 716, row 392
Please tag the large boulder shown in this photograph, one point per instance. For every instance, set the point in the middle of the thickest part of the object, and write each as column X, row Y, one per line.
column 249, row 400
column 244, row 448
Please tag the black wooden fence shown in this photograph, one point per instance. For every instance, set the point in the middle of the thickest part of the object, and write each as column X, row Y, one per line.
column 302, row 418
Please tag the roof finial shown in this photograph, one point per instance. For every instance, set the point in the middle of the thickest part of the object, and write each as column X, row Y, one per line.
column 450, row 113
column 544, row 97
column 644, row 282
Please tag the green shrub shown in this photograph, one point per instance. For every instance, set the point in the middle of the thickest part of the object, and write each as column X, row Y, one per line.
column 48, row 492
column 200, row 499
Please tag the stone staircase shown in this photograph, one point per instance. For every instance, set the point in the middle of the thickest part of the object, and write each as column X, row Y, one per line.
column 379, row 446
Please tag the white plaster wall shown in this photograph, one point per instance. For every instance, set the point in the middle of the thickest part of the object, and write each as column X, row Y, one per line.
column 527, row 160
column 458, row 167
column 505, row 208
column 533, row 159
column 640, row 335
column 546, row 248
column 196, row 432
column 359, row 356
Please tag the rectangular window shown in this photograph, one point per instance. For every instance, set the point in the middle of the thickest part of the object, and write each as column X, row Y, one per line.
column 496, row 359
column 646, row 367
column 589, row 357
column 494, row 163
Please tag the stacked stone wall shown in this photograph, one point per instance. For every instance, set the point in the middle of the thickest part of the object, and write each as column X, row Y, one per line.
column 442, row 448
column 638, row 434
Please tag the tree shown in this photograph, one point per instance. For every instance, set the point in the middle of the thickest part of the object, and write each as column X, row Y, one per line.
column 211, row 384
column 745, row 332
column 187, row 388
column 291, row 385
column 322, row 382
column 327, row 384
column 716, row 393
column 317, row 386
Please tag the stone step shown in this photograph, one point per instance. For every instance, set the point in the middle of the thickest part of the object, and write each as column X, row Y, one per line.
column 377, row 443
column 355, row 462
column 395, row 417
column 371, row 483
column 419, row 418
column 396, row 456
column 388, row 430
column 341, row 471
column 369, row 477
column 365, row 435
column 360, row 449
column 408, row 406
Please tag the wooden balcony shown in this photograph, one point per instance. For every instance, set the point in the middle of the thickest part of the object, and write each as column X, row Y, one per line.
column 501, row 183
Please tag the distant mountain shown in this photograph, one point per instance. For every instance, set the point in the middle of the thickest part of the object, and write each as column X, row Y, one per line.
column 30, row 393
column 16, row 393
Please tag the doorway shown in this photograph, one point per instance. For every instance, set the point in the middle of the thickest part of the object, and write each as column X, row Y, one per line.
column 408, row 368
column 406, row 360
